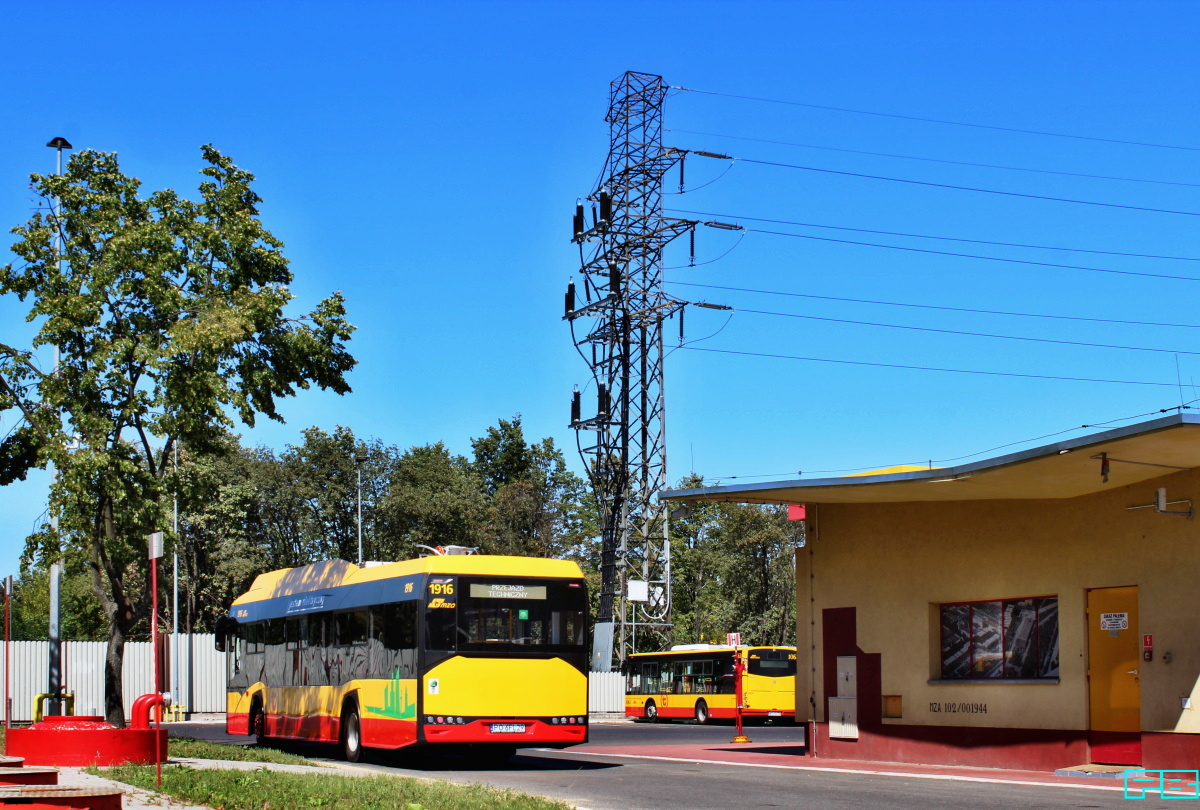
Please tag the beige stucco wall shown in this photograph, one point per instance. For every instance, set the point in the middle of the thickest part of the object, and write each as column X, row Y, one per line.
column 896, row 562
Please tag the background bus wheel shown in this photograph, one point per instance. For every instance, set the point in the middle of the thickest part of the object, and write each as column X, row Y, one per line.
column 351, row 735
column 650, row 712
column 258, row 723
column 701, row 712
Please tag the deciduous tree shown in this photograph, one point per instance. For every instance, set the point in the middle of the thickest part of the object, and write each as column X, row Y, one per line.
column 170, row 318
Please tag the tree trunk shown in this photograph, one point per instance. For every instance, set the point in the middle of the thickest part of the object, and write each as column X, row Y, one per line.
column 114, row 661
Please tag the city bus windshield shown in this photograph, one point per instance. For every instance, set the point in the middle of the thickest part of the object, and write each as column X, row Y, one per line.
column 507, row 614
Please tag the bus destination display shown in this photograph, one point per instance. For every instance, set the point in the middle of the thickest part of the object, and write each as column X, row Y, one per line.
column 508, row 591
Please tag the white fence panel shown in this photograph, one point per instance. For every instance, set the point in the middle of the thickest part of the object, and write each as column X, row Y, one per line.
column 606, row 692
column 201, row 674
column 200, row 682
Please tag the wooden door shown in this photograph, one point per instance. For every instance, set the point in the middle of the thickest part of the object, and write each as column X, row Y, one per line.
column 1114, row 664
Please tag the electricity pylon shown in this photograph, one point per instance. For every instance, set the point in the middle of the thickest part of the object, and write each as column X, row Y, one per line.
column 623, row 305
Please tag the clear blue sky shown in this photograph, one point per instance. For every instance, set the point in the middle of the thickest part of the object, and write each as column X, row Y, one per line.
column 424, row 158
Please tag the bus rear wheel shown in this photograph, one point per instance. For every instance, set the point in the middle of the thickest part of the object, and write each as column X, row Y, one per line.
column 650, row 712
column 701, row 712
column 351, row 735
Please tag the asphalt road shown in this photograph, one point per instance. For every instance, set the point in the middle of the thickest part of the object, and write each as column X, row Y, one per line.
column 590, row 780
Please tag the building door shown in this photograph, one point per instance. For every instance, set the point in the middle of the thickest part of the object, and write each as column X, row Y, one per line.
column 1114, row 692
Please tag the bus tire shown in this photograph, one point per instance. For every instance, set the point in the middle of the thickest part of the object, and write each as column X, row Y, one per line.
column 701, row 712
column 351, row 733
column 258, row 722
column 650, row 712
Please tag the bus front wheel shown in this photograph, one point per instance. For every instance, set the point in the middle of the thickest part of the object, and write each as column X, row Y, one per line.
column 351, row 735
column 258, row 723
column 650, row 712
column 701, row 712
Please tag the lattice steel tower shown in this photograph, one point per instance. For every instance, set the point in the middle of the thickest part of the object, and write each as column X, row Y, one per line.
column 623, row 307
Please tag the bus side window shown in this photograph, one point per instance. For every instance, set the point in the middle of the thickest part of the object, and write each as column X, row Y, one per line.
column 254, row 638
column 633, row 678
column 650, row 676
column 393, row 633
column 237, row 643
column 350, row 628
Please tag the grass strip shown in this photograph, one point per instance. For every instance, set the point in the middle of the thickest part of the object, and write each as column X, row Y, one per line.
column 263, row 789
column 202, row 749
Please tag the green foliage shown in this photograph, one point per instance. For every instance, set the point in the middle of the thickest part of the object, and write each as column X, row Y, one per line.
column 81, row 618
column 245, row 511
column 537, row 506
column 734, row 571
column 169, row 315
column 435, row 498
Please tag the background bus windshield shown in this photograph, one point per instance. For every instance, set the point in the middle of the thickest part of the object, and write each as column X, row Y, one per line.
column 499, row 614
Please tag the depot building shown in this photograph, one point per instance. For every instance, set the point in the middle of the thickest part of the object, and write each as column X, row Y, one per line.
column 1037, row 610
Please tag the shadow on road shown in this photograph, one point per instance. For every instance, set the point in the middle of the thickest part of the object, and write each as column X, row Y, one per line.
column 523, row 761
column 781, row 750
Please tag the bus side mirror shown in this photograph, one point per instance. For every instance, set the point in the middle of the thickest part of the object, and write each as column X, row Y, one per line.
column 225, row 626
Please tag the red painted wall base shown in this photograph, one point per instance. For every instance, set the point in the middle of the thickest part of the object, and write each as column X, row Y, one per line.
column 1012, row 748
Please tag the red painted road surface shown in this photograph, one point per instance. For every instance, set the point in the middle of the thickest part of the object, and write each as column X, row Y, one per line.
column 790, row 755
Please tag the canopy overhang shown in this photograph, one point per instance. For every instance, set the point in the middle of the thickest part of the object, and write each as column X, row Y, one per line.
column 1067, row 469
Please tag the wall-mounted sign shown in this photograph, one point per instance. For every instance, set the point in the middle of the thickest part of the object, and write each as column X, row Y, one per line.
column 1147, row 640
column 1114, row 621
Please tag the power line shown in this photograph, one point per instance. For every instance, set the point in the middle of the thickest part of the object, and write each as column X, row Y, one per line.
column 974, row 256
column 939, row 238
column 927, row 368
column 939, row 160
column 967, row 188
column 940, row 308
column 1186, row 405
column 941, row 121
column 963, row 333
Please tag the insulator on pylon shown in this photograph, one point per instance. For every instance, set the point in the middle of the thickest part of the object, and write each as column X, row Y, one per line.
column 614, row 277
column 578, row 223
column 681, row 325
column 595, row 218
column 576, row 406
column 602, row 401
column 692, row 246
column 682, row 158
column 605, row 207
column 570, row 297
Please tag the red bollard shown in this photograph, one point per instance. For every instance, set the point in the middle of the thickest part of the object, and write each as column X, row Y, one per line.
column 739, row 667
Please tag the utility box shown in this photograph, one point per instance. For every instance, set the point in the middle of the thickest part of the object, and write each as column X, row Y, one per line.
column 843, row 718
column 847, row 676
column 843, row 709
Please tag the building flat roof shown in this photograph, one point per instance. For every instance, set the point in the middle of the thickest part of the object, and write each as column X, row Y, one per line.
column 1065, row 469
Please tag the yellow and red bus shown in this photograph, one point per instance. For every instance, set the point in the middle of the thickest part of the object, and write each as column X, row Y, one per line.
column 696, row 681
column 483, row 653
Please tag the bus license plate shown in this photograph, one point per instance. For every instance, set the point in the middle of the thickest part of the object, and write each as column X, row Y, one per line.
column 508, row 728
column 774, row 714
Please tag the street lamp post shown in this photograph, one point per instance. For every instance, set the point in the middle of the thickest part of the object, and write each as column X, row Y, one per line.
column 56, row 567
column 359, row 458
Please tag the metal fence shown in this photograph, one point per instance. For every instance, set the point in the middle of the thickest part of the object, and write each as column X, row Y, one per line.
column 606, row 692
column 201, row 674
